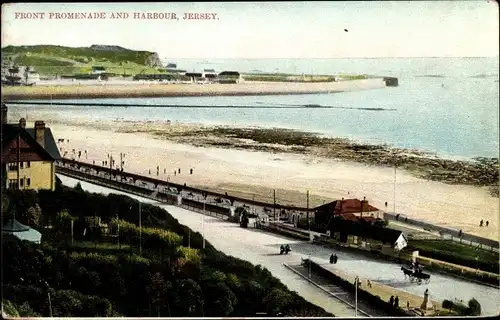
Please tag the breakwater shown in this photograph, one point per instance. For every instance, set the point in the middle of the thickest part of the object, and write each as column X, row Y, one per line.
column 110, row 89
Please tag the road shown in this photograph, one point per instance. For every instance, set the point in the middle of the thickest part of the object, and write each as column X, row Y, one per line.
column 260, row 247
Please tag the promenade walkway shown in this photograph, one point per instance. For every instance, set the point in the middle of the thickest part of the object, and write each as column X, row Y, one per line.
column 384, row 291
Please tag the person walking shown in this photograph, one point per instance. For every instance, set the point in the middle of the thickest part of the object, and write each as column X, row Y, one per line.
column 396, row 302
column 191, row 171
column 391, row 300
column 487, row 223
column 481, row 223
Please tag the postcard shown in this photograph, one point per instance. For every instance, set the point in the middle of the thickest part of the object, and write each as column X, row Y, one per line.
column 254, row 159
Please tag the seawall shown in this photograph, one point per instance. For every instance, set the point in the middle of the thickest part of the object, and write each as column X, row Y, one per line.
column 375, row 293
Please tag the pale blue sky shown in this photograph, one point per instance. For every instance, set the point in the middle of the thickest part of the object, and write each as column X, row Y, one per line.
column 273, row 30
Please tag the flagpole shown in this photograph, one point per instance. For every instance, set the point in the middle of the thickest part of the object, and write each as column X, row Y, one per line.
column 203, row 222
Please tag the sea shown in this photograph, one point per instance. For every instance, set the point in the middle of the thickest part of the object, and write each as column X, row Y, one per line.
column 448, row 107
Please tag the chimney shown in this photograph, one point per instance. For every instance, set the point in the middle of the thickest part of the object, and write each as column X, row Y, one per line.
column 364, row 205
column 22, row 123
column 4, row 113
column 40, row 133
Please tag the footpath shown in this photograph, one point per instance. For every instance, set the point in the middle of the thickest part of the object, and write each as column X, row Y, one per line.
column 408, row 302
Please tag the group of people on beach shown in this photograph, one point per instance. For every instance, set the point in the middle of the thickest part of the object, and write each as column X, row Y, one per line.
column 482, row 222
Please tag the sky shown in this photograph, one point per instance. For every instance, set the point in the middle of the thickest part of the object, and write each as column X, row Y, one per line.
column 254, row 30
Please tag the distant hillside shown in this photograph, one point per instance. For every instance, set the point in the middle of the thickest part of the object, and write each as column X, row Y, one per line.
column 58, row 59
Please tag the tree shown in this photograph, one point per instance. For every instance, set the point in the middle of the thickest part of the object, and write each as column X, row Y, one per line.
column 188, row 299
column 276, row 300
column 474, row 307
column 220, row 300
column 5, row 204
column 158, row 293
column 34, row 215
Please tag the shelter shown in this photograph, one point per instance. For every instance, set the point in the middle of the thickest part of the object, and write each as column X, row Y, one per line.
column 21, row 231
column 194, row 76
column 345, row 229
column 229, row 77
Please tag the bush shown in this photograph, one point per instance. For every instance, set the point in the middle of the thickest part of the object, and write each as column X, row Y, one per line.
column 97, row 279
column 447, row 304
column 474, row 307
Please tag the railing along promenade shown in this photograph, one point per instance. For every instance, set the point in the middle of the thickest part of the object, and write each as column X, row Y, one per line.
column 66, row 166
column 69, row 166
column 454, row 233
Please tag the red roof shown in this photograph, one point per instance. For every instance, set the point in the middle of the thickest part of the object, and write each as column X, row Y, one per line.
column 350, row 217
column 354, row 218
column 353, row 206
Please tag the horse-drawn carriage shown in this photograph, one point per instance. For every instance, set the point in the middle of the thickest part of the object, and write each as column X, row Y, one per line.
column 416, row 275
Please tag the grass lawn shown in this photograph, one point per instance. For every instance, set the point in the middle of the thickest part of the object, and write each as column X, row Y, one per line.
column 454, row 252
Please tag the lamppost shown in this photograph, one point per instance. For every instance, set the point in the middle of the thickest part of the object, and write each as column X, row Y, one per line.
column 203, row 218
column 394, row 191
column 122, row 155
column 48, row 296
column 309, row 266
column 356, row 282
column 140, row 230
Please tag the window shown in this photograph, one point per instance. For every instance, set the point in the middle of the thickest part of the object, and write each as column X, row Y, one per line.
column 13, row 166
column 12, row 184
column 21, row 164
column 28, row 164
column 21, row 182
column 28, row 182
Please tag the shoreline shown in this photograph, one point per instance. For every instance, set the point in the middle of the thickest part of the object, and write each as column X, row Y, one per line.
column 143, row 90
column 479, row 171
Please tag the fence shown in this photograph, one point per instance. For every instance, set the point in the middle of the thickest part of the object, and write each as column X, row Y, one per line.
column 453, row 234
column 128, row 175
column 168, row 198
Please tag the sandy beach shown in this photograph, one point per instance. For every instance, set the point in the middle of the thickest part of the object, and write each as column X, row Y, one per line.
column 135, row 89
column 254, row 174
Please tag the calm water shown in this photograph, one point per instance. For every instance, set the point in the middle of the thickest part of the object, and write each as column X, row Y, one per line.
column 448, row 106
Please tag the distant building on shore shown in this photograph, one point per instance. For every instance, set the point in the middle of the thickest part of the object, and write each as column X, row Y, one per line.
column 229, row 77
column 28, row 155
column 194, row 76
